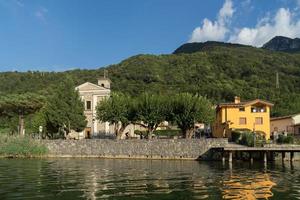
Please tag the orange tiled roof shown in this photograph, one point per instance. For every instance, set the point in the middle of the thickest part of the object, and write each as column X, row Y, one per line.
column 245, row 103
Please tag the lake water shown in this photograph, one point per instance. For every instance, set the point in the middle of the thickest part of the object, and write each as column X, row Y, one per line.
column 145, row 179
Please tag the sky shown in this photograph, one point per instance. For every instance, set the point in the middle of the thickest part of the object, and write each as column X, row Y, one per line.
column 58, row 35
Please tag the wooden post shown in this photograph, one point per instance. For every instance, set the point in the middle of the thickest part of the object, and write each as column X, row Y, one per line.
column 230, row 157
column 282, row 156
column 265, row 157
column 251, row 157
column 292, row 156
column 223, row 157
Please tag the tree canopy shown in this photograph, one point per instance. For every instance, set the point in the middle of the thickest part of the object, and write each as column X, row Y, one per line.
column 118, row 110
column 151, row 111
column 64, row 109
column 187, row 109
column 20, row 105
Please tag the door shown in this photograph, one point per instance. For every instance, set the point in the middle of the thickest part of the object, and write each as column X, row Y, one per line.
column 88, row 132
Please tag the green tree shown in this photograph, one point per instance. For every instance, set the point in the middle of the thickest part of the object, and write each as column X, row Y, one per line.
column 117, row 110
column 35, row 121
column 64, row 109
column 187, row 109
column 20, row 105
column 150, row 111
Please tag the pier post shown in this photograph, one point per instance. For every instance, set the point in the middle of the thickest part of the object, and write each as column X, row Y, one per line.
column 282, row 156
column 291, row 156
column 230, row 157
column 251, row 157
column 265, row 157
column 223, row 158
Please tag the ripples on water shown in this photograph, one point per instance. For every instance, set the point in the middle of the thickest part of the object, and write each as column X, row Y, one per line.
column 145, row 179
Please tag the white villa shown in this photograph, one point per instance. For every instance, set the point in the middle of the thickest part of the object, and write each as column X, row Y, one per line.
column 91, row 94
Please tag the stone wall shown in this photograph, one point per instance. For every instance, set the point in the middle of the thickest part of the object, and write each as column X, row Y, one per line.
column 147, row 149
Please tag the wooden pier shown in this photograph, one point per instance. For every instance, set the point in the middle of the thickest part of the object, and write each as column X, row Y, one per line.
column 268, row 149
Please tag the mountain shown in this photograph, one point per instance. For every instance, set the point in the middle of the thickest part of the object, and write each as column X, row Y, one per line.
column 285, row 44
column 219, row 72
column 202, row 46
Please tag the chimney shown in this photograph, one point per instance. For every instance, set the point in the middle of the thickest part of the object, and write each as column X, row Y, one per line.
column 237, row 100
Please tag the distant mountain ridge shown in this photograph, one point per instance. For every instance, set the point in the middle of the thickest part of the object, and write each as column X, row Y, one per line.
column 278, row 43
column 285, row 44
column 202, row 46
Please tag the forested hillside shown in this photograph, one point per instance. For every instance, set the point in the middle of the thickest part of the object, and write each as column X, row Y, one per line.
column 219, row 72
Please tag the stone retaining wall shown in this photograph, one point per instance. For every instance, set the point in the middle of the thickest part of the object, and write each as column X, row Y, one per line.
column 147, row 149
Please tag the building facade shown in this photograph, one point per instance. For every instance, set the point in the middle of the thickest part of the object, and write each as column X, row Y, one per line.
column 249, row 115
column 286, row 124
column 91, row 94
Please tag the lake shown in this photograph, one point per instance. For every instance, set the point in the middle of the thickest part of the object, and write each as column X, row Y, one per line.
column 145, row 179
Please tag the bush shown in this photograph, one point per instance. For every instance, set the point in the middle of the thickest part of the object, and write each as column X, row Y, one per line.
column 285, row 139
column 247, row 139
column 236, row 136
column 17, row 146
column 168, row 133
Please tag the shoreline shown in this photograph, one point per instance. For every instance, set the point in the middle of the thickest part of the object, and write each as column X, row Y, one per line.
column 277, row 159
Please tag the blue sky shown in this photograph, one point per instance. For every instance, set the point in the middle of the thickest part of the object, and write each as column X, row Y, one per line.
column 57, row 35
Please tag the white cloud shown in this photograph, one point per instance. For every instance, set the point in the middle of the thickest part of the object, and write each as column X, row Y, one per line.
column 209, row 31
column 282, row 24
column 214, row 30
column 226, row 11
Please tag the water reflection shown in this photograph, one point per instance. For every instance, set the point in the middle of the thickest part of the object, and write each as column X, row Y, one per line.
column 144, row 179
column 248, row 186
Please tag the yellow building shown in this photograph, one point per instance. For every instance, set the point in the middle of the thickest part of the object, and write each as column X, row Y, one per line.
column 251, row 115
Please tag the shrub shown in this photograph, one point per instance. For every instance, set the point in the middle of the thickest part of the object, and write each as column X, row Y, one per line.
column 247, row 139
column 169, row 133
column 236, row 136
column 20, row 146
column 285, row 139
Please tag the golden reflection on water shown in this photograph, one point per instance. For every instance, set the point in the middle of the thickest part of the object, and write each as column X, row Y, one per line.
column 256, row 186
column 119, row 178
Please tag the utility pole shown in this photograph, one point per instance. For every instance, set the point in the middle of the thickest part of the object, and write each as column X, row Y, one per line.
column 277, row 80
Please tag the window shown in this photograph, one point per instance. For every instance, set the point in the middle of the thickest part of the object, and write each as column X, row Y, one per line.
column 243, row 120
column 258, row 120
column 242, row 109
column 88, row 105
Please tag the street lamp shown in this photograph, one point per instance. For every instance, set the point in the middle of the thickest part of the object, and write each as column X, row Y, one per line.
column 254, row 139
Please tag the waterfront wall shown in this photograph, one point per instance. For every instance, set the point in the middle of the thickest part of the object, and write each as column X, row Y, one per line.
column 190, row 149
